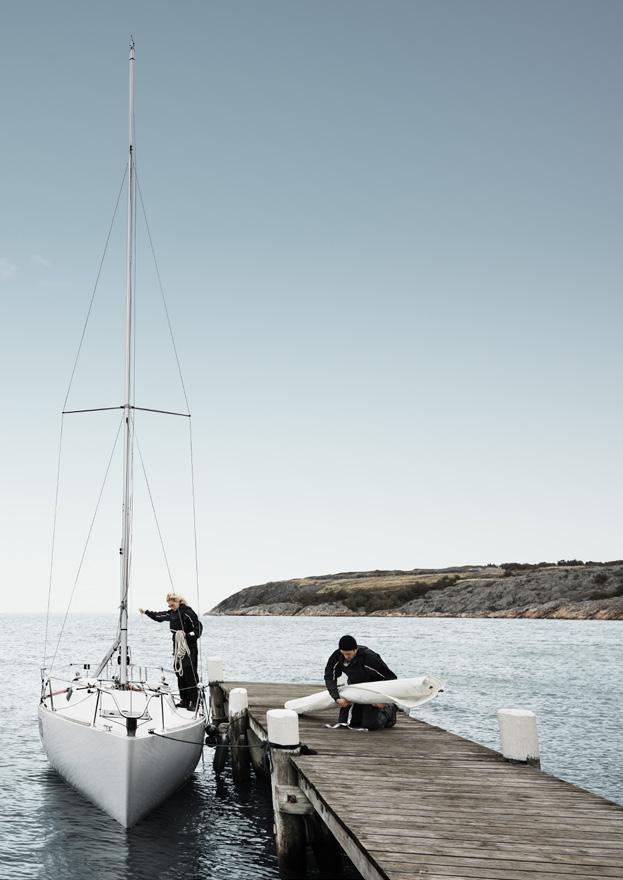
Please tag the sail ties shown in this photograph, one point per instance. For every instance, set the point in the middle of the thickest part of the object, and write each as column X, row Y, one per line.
column 180, row 650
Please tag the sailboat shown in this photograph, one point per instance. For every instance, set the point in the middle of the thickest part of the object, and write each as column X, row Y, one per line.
column 116, row 737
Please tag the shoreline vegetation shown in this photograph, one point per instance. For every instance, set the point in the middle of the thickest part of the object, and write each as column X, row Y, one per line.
column 565, row 590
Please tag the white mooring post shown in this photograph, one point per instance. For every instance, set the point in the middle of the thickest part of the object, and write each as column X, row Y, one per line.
column 217, row 700
column 238, row 725
column 289, row 803
column 520, row 740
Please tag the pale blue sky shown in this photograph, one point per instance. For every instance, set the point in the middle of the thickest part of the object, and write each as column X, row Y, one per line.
column 390, row 237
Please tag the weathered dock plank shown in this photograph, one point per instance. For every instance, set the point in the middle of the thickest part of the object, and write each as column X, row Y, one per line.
column 416, row 801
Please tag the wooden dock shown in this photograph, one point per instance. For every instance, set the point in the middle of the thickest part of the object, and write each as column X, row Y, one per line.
column 416, row 801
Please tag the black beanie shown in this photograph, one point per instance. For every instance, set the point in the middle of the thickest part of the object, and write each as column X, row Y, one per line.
column 347, row 643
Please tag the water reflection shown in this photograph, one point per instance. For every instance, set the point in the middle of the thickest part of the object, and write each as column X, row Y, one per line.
column 205, row 826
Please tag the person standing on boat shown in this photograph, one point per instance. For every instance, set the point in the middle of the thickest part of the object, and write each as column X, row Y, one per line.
column 359, row 664
column 184, row 625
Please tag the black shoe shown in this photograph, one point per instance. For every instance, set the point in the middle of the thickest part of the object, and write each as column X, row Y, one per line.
column 182, row 706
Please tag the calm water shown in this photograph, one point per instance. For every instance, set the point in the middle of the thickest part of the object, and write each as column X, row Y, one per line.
column 569, row 672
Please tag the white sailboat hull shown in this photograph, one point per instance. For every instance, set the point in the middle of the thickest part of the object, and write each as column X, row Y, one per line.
column 126, row 776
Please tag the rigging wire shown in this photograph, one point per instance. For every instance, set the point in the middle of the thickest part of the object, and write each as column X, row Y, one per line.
column 58, row 480
column 153, row 506
column 99, row 272
column 177, row 667
column 133, row 429
column 86, row 544
column 164, row 302
column 71, row 379
column 179, row 369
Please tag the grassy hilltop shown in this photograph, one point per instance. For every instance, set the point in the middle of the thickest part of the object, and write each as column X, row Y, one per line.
column 567, row 589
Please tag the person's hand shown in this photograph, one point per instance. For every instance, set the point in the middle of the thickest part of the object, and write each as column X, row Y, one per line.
column 379, row 705
column 342, row 702
column 142, row 610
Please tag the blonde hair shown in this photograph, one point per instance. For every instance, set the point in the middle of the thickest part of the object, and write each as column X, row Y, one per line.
column 175, row 597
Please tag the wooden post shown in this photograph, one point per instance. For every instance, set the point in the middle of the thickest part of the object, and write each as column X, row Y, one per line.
column 238, row 726
column 520, row 740
column 217, row 700
column 284, row 743
column 258, row 754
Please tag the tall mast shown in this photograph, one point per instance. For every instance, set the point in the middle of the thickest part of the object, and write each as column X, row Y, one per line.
column 126, row 525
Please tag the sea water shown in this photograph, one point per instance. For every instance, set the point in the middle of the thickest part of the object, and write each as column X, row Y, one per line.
column 569, row 672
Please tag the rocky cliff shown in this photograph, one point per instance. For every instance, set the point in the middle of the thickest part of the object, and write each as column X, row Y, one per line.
column 568, row 589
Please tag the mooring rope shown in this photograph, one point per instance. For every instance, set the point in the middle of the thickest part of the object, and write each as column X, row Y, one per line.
column 180, row 651
column 187, row 742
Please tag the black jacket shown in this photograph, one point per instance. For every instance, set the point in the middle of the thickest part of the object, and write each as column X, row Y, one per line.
column 365, row 666
column 184, row 618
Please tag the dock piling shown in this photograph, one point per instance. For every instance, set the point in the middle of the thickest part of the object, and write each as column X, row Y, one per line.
column 238, row 727
column 217, row 698
column 289, row 804
column 518, row 731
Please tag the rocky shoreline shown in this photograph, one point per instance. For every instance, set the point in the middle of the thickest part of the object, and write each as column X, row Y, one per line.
column 567, row 590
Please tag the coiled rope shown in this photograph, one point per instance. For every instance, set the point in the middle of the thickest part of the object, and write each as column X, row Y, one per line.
column 180, row 650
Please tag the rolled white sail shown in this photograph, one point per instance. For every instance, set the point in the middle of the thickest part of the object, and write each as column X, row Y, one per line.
column 406, row 693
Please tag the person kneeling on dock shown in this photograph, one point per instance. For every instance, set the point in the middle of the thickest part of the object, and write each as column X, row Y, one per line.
column 359, row 664
column 185, row 628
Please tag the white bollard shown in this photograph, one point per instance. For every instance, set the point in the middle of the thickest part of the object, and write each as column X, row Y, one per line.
column 283, row 728
column 238, row 726
column 238, row 701
column 518, row 731
column 215, row 670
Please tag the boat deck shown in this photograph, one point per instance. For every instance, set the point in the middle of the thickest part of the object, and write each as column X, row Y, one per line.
column 416, row 801
column 103, row 706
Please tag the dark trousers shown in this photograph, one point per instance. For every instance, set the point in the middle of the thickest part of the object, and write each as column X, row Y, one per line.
column 370, row 717
column 187, row 681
